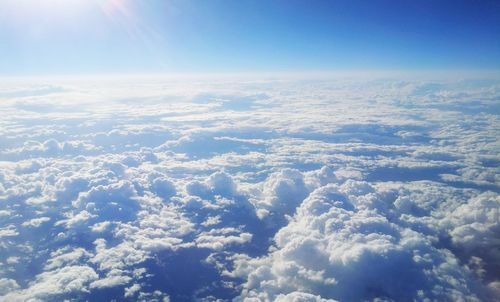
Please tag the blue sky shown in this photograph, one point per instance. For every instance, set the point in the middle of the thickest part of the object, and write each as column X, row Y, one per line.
column 107, row 36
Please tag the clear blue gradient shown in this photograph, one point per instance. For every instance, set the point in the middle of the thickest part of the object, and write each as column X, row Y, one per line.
column 76, row 36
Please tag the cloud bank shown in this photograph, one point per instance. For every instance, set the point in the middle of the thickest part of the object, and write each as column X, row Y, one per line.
column 211, row 189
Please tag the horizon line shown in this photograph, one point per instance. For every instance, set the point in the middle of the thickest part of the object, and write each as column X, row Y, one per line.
column 270, row 73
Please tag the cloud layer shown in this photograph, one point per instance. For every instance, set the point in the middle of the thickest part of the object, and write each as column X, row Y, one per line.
column 249, row 189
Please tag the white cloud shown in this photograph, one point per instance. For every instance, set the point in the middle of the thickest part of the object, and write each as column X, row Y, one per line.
column 163, row 187
column 118, row 257
column 217, row 239
column 281, row 193
column 50, row 285
column 63, row 257
column 7, row 286
column 332, row 246
column 35, row 222
column 300, row 297
column 132, row 290
column 219, row 183
column 110, row 281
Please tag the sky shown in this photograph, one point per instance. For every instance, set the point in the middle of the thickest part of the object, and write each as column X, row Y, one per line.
column 124, row 36
column 312, row 151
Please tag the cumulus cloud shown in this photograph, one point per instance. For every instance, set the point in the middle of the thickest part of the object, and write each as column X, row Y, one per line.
column 300, row 297
column 63, row 257
column 116, row 257
column 219, row 183
column 332, row 247
column 163, row 187
column 474, row 228
column 7, row 286
column 35, row 222
column 282, row 192
column 55, row 283
column 111, row 281
column 216, row 239
column 132, row 290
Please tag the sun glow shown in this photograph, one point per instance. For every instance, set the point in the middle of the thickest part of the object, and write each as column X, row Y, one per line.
column 47, row 8
column 72, row 29
column 34, row 20
column 58, row 12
